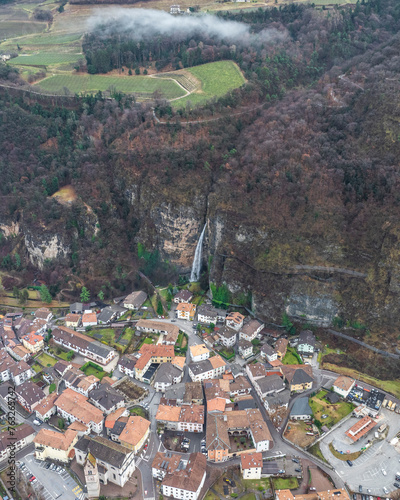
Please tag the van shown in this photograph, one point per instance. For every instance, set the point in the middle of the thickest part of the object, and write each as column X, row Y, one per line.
column 37, row 422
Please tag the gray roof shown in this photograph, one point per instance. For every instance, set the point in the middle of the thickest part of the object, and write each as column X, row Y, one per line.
column 244, row 344
column 104, row 450
column 251, row 326
column 118, row 428
column 30, row 392
column 267, row 349
column 76, row 306
column 127, row 362
column 270, row 384
column 301, row 377
column 301, row 407
column 106, row 396
column 184, row 295
column 99, row 349
column 246, row 404
column 137, row 299
column 279, row 399
column 166, row 373
column 200, row 367
column 176, row 392
column 106, row 315
column 227, row 332
column 306, row 337
column 207, row 310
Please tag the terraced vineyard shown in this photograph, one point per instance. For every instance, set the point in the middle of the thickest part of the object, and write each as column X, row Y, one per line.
column 186, row 79
column 45, row 59
column 143, row 86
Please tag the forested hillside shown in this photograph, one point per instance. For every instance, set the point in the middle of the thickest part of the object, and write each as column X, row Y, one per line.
column 300, row 195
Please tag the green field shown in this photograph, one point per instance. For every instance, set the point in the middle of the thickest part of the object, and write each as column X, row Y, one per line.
column 51, row 39
column 130, row 84
column 291, row 357
column 45, row 59
column 335, row 412
column 47, row 360
column 10, row 29
column 217, row 79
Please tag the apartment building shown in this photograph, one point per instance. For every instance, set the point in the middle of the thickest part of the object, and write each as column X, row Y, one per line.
column 186, row 482
column 251, row 465
column 250, row 330
column 187, row 418
column 75, row 406
column 55, row 445
column 199, row 352
column 186, row 311
column 213, row 367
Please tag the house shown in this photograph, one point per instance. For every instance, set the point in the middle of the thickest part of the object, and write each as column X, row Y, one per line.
column 239, row 387
column 34, row 343
column 18, row 351
column 134, row 433
column 184, row 296
column 281, row 347
column 167, row 375
column 126, row 365
column 61, row 367
column 73, row 406
column 199, row 352
column 113, row 417
column 245, row 348
column 332, row 397
column 299, row 377
column 84, row 345
column 115, row 463
column 20, row 372
column 266, row 386
column 277, row 401
column 169, row 331
column 14, row 440
column 209, row 368
column 343, row 385
column 251, row 465
column 179, row 362
column 250, row 330
column 165, row 463
column 306, row 343
column 255, row 371
column 186, row 393
column 207, row 315
column 89, row 319
column 234, row 320
column 44, row 313
column 186, row 482
column 269, row 353
column 175, row 9
column 227, row 336
column 106, row 399
column 46, row 408
column 55, row 445
column 29, row 395
column 72, row 320
column 187, row 418
column 186, row 311
column 301, row 410
column 152, row 355
column 79, row 382
column 135, row 300
column 106, row 316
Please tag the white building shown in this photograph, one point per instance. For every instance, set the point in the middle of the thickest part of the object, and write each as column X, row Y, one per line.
column 227, row 336
column 343, row 385
column 234, row 320
column 251, row 465
column 250, row 330
column 199, row 352
column 245, row 348
column 209, row 368
column 306, row 343
column 186, row 484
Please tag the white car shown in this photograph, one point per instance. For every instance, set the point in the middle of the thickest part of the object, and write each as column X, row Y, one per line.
column 384, row 472
column 385, row 490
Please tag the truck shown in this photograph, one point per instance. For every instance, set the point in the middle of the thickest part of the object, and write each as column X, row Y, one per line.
column 384, row 403
column 389, row 405
column 393, row 406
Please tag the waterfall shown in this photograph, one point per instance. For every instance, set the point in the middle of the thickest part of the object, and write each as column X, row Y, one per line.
column 196, row 267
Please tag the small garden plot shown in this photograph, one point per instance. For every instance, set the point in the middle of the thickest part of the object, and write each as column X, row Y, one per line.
column 131, row 390
column 334, row 412
column 285, row 483
column 47, row 360
column 90, row 368
column 291, row 357
column 296, row 432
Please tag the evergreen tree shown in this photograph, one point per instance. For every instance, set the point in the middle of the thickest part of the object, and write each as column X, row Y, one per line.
column 85, row 294
column 45, row 295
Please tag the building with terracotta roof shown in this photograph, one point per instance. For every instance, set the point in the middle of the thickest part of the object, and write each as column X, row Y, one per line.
column 281, row 347
column 135, row 433
column 115, row 463
column 199, row 352
column 79, row 382
column 75, row 406
column 80, row 428
column 235, row 423
column 72, row 320
column 135, row 300
column 183, row 296
column 18, row 351
column 239, row 386
column 250, row 330
column 152, row 354
column 164, row 463
column 343, row 385
column 114, row 416
column 170, row 331
column 234, row 320
column 46, row 408
column 216, row 405
column 251, row 465
column 334, row 494
column 186, row 311
column 55, row 445
column 186, row 482
column 179, row 362
column 89, row 319
column 256, row 371
column 360, row 428
column 187, row 418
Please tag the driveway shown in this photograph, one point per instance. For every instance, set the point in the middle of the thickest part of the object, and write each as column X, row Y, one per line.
column 56, row 486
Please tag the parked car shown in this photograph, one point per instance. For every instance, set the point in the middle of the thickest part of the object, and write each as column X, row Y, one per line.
column 385, row 490
column 396, row 485
column 32, row 478
column 295, row 460
column 297, row 470
column 47, row 466
column 350, row 463
column 37, row 422
column 360, row 488
column 384, row 472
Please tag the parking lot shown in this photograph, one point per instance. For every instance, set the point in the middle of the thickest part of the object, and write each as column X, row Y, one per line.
column 56, row 486
column 367, row 469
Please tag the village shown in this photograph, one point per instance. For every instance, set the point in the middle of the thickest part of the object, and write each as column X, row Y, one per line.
column 117, row 401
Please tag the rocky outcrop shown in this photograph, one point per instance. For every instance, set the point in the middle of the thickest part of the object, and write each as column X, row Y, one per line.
column 44, row 247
